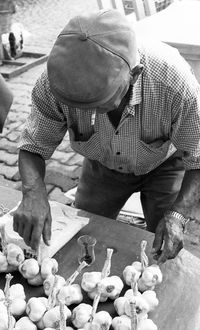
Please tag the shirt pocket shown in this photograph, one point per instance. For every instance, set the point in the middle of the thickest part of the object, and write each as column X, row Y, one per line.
column 90, row 148
column 149, row 156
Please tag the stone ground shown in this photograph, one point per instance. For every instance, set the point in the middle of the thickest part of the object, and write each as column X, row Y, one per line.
column 44, row 19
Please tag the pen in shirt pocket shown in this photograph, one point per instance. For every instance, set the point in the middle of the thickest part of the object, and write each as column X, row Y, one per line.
column 93, row 117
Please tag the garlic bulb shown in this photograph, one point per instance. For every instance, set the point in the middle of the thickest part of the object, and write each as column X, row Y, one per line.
column 36, row 281
column 90, row 280
column 17, row 291
column 128, row 273
column 119, row 305
column 101, row 320
column 49, row 282
column 142, row 307
column 129, row 294
column 24, row 323
column 122, row 322
column 146, row 325
column 48, row 266
column 152, row 275
column 51, row 318
column 70, row 294
column 35, row 309
column 3, row 263
column 151, row 299
column 29, row 268
column 81, row 315
column 14, row 254
column 17, row 306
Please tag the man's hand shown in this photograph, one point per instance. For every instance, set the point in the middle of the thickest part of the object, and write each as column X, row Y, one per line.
column 168, row 238
column 33, row 218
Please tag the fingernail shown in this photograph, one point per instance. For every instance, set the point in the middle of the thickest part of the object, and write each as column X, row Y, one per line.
column 49, row 242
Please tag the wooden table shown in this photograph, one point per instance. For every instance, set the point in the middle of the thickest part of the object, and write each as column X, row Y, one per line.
column 178, row 25
column 123, row 238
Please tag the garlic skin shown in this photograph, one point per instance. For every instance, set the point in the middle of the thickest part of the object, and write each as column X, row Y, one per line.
column 18, row 306
column 51, row 319
column 90, row 280
column 48, row 266
column 142, row 307
column 138, row 266
column 70, row 294
column 29, row 268
column 152, row 275
column 24, row 323
column 36, row 281
column 4, row 321
column 151, row 299
column 129, row 294
column 14, row 254
column 146, row 325
column 119, row 305
column 118, row 286
column 17, row 291
column 142, row 287
column 35, row 309
column 128, row 273
column 101, row 320
column 93, row 293
column 122, row 322
column 81, row 315
column 49, row 282
column 2, row 295
column 3, row 263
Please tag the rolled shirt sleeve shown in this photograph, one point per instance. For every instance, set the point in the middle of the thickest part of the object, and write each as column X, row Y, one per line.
column 46, row 125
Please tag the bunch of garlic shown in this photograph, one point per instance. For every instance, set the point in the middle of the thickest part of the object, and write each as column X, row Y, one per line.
column 36, row 273
column 111, row 286
column 11, row 256
column 148, row 276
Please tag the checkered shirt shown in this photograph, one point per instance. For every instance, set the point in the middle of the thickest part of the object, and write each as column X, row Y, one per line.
column 162, row 115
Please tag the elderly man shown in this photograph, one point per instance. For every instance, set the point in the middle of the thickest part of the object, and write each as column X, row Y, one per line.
column 6, row 99
column 133, row 111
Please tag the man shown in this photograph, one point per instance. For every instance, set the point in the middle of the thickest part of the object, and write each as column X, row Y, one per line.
column 6, row 99
column 133, row 112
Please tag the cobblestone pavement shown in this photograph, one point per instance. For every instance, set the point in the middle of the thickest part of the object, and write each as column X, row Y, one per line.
column 43, row 19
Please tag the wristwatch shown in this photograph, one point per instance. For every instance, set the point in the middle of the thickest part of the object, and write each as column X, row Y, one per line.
column 178, row 216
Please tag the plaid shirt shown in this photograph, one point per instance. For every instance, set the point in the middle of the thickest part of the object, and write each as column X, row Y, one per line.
column 162, row 115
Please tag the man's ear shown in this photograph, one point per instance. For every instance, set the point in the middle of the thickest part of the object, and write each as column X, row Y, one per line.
column 135, row 72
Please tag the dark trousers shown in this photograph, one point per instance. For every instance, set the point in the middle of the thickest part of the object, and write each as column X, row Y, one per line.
column 104, row 192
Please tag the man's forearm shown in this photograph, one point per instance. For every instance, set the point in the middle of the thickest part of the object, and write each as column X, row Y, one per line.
column 32, row 171
column 188, row 200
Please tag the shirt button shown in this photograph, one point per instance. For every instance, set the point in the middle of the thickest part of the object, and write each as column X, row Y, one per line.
column 118, row 153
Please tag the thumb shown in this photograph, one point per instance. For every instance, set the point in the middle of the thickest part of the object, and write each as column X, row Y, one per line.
column 46, row 234
column 158, row 240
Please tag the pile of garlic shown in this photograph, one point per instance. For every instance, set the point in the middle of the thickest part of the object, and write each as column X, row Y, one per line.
column 85, row 316
column 141, row 299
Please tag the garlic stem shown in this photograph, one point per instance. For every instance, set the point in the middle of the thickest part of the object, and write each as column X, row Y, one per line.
column 105, row 273
column 3, row 238
column 134, row 285
column 8, row 301
column 72, row 278
column 134, row 319
column 143, row 256
column 53, row 293
column 107, row 265
column 62, row 316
